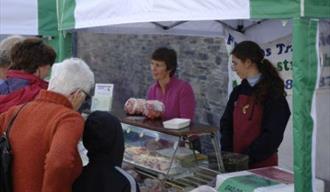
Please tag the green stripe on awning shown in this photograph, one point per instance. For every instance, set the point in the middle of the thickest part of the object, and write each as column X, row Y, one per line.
column 304, row 75
column 317, row 8
column 47, row 17
column 274, row 9
column 66, row 14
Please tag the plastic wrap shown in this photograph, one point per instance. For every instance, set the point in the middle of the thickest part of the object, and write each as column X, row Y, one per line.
column 149, row 108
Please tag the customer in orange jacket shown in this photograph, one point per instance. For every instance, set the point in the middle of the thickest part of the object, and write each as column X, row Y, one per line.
column 45, row 134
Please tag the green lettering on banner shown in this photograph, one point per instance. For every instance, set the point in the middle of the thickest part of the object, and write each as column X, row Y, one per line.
column 284, row 65
column 246, row 183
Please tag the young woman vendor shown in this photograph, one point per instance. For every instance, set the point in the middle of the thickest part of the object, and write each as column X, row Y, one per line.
column 257, row 111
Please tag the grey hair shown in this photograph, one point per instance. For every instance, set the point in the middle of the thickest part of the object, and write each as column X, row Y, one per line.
column 70, row 75
column 5, row 47
column 9, row 42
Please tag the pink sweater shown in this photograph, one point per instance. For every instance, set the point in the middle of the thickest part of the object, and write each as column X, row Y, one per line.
column 178, row 99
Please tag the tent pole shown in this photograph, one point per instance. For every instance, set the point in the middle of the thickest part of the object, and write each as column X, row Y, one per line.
column 165, row 27
column 254, row 24
column 304, row 78
column 226, row 25
column 62, row 43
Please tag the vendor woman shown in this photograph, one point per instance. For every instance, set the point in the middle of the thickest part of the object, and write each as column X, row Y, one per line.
column 177, row 95
column 257, row 111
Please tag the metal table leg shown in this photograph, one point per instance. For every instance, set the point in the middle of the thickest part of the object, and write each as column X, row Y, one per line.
column 217, row 149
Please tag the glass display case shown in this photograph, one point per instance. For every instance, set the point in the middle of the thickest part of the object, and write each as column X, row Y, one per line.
column 155, row 149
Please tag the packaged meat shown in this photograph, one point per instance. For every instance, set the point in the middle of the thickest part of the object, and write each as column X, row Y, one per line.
column 135, row 106
column 153, row 109
column 153, row 145
column 150, row 108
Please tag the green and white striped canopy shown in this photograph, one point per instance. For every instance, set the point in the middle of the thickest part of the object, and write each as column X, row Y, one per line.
column 45, row 17
column 88, row 14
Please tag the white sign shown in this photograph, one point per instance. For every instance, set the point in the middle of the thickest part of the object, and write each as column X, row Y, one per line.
column 103, row 96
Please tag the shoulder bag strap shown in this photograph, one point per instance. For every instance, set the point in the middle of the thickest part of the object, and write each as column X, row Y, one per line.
column 11, row 121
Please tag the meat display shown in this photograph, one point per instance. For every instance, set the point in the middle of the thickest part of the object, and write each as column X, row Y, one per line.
column 154, row 162
column 142, row 156
column 153, row 145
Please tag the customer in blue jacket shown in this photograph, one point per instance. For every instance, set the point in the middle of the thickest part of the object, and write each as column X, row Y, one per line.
column 104, row 140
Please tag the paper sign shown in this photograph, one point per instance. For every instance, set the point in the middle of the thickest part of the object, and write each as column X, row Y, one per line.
column 102, row 99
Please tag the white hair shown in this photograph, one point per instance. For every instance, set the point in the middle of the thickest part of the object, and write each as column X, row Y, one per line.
column 70, row 75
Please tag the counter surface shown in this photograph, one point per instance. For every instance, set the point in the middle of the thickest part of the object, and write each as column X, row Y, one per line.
column 157, row 125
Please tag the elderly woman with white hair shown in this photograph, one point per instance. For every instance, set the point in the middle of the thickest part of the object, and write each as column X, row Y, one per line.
column 46, row 131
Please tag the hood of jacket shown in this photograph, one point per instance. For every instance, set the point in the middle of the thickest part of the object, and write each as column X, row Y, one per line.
column 103, row 138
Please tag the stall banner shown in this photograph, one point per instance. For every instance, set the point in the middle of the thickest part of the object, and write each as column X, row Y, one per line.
column 245, row 183
column 324, row 55
column 278, row 52
column 267, row 179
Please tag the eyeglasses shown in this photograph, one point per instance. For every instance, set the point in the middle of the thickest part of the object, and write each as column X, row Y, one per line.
column 87, row 95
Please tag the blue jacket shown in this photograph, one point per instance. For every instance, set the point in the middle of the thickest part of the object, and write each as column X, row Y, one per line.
column 12, row 84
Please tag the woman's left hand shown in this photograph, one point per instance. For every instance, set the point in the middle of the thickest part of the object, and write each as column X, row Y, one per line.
column 76, row 99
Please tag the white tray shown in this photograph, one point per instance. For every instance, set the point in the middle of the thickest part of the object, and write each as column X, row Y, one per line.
column 176, row 123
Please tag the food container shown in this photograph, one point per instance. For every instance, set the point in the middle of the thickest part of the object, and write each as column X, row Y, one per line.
column 176, row 123
column 232, row 161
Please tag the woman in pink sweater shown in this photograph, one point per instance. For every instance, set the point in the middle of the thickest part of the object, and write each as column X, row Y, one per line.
column 177, row 95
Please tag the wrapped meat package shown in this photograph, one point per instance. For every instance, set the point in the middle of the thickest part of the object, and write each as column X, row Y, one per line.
column 153, row 109
column 135, row 106
column 150, row 108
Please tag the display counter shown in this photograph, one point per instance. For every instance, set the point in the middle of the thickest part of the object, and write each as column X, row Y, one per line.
column 165, row 153
column 156, row 125
column 168, row 140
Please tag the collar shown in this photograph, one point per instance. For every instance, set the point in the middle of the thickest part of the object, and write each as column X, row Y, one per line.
column 169, row 84
column 26, row 76
column 253, row 80
column 53, row 97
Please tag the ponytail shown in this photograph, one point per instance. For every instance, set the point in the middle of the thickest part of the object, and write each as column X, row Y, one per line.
column 271, row 84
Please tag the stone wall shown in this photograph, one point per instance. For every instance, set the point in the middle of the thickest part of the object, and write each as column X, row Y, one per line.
column 125, row 61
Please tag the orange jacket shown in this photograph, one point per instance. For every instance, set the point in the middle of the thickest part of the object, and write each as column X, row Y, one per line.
column 44, row 140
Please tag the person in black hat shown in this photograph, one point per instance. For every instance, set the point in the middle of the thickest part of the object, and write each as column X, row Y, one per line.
column 104, row 140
